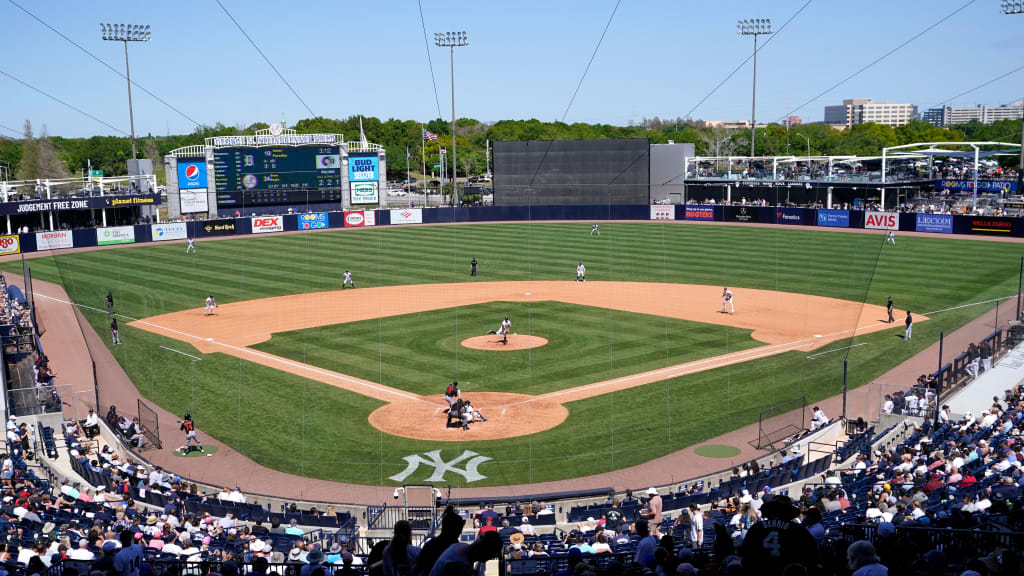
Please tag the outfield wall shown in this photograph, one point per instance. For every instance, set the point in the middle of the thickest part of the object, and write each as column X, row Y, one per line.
column 138, row 234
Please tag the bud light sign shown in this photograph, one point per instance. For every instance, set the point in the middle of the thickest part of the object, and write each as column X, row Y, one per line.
column 940, row 223
column 834, row 218
column 191, row 175
column 362, row 167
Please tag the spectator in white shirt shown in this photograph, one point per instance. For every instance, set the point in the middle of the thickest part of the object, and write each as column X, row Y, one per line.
column 525, row 527
column 82, row 552
column 92, row 424
column 888, row 407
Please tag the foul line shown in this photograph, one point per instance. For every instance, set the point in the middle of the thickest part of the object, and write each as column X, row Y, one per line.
column 971, row 304
column 838, row 349
column 269, row 357
column 182, row 353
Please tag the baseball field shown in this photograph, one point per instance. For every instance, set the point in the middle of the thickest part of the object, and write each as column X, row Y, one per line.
column 634, row 363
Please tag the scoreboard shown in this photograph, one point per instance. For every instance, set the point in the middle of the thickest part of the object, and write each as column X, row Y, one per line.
column 284, row 168
column 246, row 198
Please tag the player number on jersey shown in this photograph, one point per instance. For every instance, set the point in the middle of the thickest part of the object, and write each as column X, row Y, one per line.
column 771, row 543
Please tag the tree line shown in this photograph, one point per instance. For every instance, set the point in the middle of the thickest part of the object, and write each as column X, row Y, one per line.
column 42, row 156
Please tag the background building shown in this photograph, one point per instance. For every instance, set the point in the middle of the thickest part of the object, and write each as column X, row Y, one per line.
column 791, row 121
column 863, row 110
column 950, row 115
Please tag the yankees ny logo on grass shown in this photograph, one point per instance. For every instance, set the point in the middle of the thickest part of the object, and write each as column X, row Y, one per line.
column 433, row 458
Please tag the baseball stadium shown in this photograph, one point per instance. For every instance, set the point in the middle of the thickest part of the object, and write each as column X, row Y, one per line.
column 618, row 354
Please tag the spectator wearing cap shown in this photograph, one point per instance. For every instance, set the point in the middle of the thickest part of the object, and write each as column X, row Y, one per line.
column 863, row 560
column 696, row 526
column 315, row 559
column 525, row 527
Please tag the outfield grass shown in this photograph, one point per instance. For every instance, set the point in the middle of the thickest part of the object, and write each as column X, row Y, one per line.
column 415, row 351
column 302, row 426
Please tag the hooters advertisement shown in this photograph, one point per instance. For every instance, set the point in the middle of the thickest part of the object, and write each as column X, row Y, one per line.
column 263, row 224
column 10, row 244
column 361, row 218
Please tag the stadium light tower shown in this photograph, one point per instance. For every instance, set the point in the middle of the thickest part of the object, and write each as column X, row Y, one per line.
column 127, row 33
column 450, row 40
column 754, row 27
column 1017, row 7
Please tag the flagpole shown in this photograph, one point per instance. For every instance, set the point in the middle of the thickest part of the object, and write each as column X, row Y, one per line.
column 423, row 153
column 407, row 173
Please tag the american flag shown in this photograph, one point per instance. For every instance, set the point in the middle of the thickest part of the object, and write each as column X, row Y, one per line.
column 428, row 135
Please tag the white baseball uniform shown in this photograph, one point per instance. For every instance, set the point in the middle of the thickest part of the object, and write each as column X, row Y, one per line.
column 191, row 246
column 594, row 230
column 506, row 326
column 581, row 273
column 727, row 301
column 347, row 280
column 210, row 303
column 891, row 238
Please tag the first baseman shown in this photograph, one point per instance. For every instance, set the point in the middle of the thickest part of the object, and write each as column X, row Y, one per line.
column 581, row 273
column 727, row 300
column 347, row 280
column 210, row 305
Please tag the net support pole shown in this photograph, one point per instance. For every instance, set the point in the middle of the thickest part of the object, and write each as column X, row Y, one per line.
column 938, row 393
column 845, row 364
column 1020, row 278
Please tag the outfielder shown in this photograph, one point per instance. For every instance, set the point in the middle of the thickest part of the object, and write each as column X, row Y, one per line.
column 347, row 280
column 890, row 238
column 594, row 230
column 581, row 273
column 189, row 428
column 191, row 249
column 727, row 300
column 210, row 305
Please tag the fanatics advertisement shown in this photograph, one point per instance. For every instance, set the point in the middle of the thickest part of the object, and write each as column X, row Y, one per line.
column 941, row 223
column 263, row 224
column 407, row 216
column 663, row 212
column 169, row 231
column 789, row 215
column 313, row 221
column 741, row 214
column 222, row 227
column 361, row 218
column 115, row 235
column 882, row 220
column 834, row 218
column 193, row 201
column 54, row 240
column 10, row 245
column 700, row 213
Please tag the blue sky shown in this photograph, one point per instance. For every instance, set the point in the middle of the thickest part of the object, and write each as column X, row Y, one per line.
column 660, row 58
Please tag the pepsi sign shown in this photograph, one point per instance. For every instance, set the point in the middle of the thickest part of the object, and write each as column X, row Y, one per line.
column 192, row 175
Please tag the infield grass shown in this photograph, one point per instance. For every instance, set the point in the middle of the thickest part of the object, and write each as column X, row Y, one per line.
column 302, row 426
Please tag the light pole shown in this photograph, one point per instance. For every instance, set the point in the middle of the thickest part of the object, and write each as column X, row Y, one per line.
column 1017, row 7
column 808, row 151
column 450, row 40
column 754, row 27
column 127, row 33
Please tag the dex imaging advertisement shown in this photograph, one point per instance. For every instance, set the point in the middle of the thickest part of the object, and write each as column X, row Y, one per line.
column 362, row 167
column 192, row 175
column 262, row 224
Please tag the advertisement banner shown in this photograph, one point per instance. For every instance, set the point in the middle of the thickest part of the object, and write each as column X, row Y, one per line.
column 993, row 186
column 193, row 201
column 700, row 212
column 741, row 214
column 169, row 231
column 264, row 224
column 115, row 235
column 313, row 221
column 789, row 215
column 54, row 240
column 834, row 218
column 10, row 244
column 941, row 223
column 222, row 227
column 362, row 167
column 95, row 202
column 355, row 218
column 407, row 216
column 192, row 175
column 992, row 226
column 882, row 220
column 663, row 212
column 364, row 193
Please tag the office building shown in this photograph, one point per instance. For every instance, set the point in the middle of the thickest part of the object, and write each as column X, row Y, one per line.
column 864, row 110
column 950, row 115
column 791, row 121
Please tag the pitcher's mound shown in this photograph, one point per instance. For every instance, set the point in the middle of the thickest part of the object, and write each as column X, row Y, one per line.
column 515, row 342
